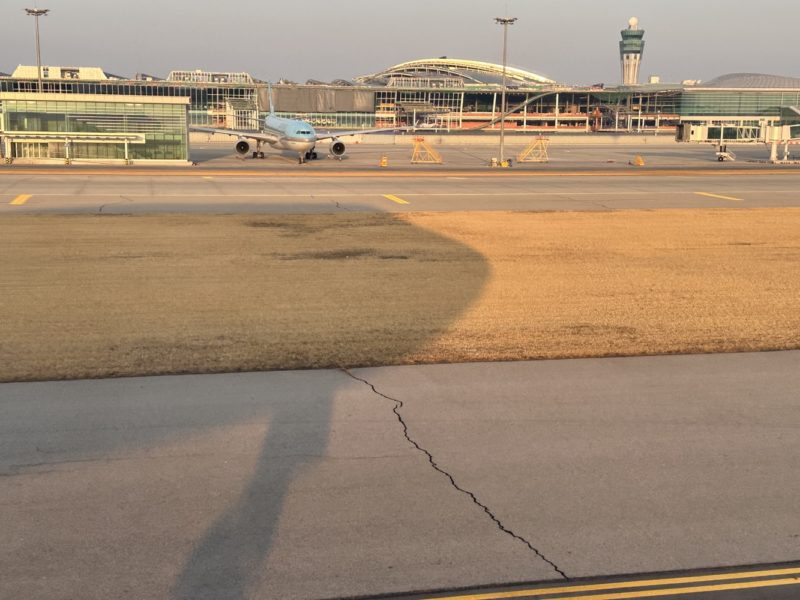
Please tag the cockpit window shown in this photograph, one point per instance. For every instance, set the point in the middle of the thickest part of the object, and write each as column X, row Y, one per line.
column 304, row 132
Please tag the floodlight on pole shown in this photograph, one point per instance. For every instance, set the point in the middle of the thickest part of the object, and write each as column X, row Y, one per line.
column 505, row 22
column 36, row 13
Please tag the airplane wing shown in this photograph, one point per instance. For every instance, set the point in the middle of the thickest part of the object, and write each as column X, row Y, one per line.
column 252, row 135
column 331, row 135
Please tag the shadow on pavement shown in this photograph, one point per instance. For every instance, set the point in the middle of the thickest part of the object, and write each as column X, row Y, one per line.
column 225, row 563
column 120, row 417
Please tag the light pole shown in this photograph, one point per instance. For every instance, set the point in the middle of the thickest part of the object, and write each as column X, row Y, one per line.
column 505, row 22
column 36, row 13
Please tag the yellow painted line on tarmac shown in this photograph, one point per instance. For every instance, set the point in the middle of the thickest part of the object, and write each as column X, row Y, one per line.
column 708, row 195
column 395, row 199
column 703, row 589
column 647, row 583
column 20, row 200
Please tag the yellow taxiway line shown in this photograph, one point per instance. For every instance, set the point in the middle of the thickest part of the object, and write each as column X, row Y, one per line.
column 702, row 589
column 20, row 200
column 395, row 199
column 616, row 595
column 708, row 195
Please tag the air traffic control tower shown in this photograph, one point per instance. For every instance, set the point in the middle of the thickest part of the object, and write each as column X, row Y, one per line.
column 631, row 49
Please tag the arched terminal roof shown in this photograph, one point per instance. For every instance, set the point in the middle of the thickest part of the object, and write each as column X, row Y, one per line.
column 469, row 72
column 752, row 80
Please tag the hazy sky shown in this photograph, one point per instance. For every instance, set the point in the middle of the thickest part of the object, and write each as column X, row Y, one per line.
column 572, row 41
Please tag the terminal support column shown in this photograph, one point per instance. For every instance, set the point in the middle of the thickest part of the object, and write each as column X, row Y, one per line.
column 557, row 110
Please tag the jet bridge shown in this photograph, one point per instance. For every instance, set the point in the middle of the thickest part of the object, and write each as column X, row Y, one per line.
column 772, row 133
column 721, row 132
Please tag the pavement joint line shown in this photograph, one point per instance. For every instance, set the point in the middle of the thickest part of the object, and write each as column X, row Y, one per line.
column 650, row 582
column 710, row 195
column 395, row 199
column 398, row 404
column 409, row 174
column 20, row 200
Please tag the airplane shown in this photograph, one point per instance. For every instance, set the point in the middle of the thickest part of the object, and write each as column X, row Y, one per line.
column 287, row 134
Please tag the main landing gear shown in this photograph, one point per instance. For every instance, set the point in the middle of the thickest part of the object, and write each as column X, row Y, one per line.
column 257, row 153
column 310, row 155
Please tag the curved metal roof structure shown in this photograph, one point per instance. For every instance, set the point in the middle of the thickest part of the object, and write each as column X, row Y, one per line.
column 470, row 72
column 752, row 81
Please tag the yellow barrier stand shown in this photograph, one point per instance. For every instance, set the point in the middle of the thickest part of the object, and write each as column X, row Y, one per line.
column 424, row 154
column 536, row 151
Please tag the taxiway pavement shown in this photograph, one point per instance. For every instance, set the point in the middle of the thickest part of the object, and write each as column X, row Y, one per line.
column 240, row 192
column 327, row 483
column 577, row 178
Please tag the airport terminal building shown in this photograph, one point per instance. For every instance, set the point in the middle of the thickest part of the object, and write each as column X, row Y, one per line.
column 86, row 112
column 88, row 126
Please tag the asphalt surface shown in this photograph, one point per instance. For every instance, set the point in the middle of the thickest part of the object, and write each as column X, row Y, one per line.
column 326, row 484
column 241, row 193
column 577, row 178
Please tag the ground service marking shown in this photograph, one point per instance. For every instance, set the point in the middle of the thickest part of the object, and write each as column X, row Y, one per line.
column 665, row 591
column 21, row 199
column 395, row 199
column 718, row 196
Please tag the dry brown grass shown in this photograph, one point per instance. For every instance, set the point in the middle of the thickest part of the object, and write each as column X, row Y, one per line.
column 92, row 296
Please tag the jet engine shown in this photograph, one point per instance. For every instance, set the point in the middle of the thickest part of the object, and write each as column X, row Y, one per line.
column 242, row 147
column 337, row 148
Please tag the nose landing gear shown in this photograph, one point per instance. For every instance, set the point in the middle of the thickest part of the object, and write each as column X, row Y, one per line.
column 310, row 155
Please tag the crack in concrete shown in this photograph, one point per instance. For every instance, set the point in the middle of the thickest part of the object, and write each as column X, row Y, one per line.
column 337, row 204
column 398, row 404
column 120, row 201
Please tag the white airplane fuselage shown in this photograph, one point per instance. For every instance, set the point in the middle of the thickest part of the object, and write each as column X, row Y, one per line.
column 292, row 134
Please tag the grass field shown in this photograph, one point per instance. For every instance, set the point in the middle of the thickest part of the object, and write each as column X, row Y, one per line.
column 97, row 296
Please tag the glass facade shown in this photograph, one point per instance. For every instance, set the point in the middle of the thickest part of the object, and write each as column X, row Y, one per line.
column 736, row 103
column 75, row 127
column 206, row 100
column 232, row 100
